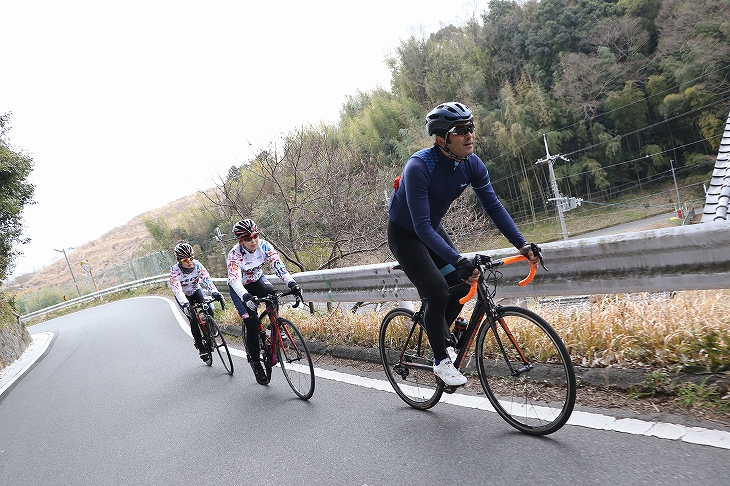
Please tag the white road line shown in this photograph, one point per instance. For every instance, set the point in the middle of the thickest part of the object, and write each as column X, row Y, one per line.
column 693, row 435
column 661, row 430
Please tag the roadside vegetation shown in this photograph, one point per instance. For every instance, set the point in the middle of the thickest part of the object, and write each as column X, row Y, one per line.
column 7, row 310
column 665, row 335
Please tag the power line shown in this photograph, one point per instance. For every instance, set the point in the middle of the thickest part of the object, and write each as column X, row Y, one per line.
column 618, row 164
column 650, row 126
column 603, row 114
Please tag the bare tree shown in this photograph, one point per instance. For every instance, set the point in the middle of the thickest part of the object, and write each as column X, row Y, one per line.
column 319, row 203
column 624, row 36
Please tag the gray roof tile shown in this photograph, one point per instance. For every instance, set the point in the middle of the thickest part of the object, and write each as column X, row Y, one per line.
column 717, row 199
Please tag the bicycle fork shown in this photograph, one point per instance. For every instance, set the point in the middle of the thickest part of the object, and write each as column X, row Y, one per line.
column 527, row 366
column 282, row 333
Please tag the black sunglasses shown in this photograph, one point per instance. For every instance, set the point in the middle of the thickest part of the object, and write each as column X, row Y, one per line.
column 462, row 129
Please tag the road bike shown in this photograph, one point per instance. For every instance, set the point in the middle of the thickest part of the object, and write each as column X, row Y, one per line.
column 523, row 365
column 211, row 336
column 283, row 344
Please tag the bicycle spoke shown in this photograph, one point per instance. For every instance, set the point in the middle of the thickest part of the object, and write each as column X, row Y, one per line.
column 219, row 343
column 408, row 360
column 294, row 359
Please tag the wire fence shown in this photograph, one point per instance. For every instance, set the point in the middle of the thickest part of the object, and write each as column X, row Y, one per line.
column 153, row 264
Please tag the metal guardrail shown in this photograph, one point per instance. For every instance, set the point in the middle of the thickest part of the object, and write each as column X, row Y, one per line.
column 93, row 296
column 691, row 257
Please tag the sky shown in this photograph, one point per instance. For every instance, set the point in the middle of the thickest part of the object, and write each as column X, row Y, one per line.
column 127, row 106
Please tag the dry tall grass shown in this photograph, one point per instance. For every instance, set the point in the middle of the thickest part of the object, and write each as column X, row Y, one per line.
column 683, row 330
column 688, row 329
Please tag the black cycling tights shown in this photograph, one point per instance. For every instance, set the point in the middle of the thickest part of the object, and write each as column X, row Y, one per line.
column 259, row 288
column 197, row 297
column 422, row 267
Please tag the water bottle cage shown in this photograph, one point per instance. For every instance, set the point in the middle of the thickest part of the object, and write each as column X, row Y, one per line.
column 459, row 328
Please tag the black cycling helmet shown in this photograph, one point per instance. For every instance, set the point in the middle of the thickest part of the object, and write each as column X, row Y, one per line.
column 446, row 115
column 183, row 250
column 245, row 228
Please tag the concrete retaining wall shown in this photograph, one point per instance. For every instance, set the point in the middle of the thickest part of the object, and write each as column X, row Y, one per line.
column 14, row 338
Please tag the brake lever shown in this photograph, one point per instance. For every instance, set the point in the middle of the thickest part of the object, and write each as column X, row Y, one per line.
column 537, row 251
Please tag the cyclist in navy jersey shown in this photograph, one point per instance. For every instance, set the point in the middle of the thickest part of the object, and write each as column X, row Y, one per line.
column 431, row 181
column 187, row 279
column 246, row 278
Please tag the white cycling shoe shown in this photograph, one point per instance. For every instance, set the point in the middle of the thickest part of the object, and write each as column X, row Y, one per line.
column 448, row 374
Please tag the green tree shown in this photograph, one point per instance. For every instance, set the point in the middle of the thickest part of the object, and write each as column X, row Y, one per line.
column 379, row 124
column 15, row 193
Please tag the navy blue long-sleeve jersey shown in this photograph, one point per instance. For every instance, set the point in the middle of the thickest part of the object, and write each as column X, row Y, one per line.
column 430, row 183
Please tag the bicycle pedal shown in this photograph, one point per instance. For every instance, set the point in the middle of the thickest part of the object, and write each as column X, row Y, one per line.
column 449, row 388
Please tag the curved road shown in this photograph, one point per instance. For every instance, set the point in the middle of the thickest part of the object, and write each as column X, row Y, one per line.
column 627, row 227
column 121, row 398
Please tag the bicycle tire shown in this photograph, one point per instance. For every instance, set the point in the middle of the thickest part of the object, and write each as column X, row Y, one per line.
column 218, row 341
column 539, row 398
column 292, row 354
column 408, row 359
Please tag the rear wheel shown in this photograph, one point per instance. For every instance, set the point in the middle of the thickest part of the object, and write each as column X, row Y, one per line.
column 295, row 360
column 219, row 343
column 408, row 359
column 265, row 353
column 526, row 371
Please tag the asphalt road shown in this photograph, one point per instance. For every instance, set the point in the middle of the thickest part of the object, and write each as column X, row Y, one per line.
column 627, row 227
column 120, row 397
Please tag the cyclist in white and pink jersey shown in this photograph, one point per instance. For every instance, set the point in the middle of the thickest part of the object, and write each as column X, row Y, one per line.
column 246, row 278
column 188, row 277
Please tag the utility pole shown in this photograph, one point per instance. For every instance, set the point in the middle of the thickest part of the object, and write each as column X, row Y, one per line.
column 676, row 188
column 558, row 198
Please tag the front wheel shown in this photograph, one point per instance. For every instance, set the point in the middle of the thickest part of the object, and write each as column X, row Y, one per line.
column 294, row 359
column 218, row 342
column 526, row 371
column 408, row 359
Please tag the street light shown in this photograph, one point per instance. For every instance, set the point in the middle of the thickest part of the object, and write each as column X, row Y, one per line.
column 87, row 268
column 69, row 269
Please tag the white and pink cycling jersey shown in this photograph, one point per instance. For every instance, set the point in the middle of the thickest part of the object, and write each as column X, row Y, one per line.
column 184, row 284
column 245, row 267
